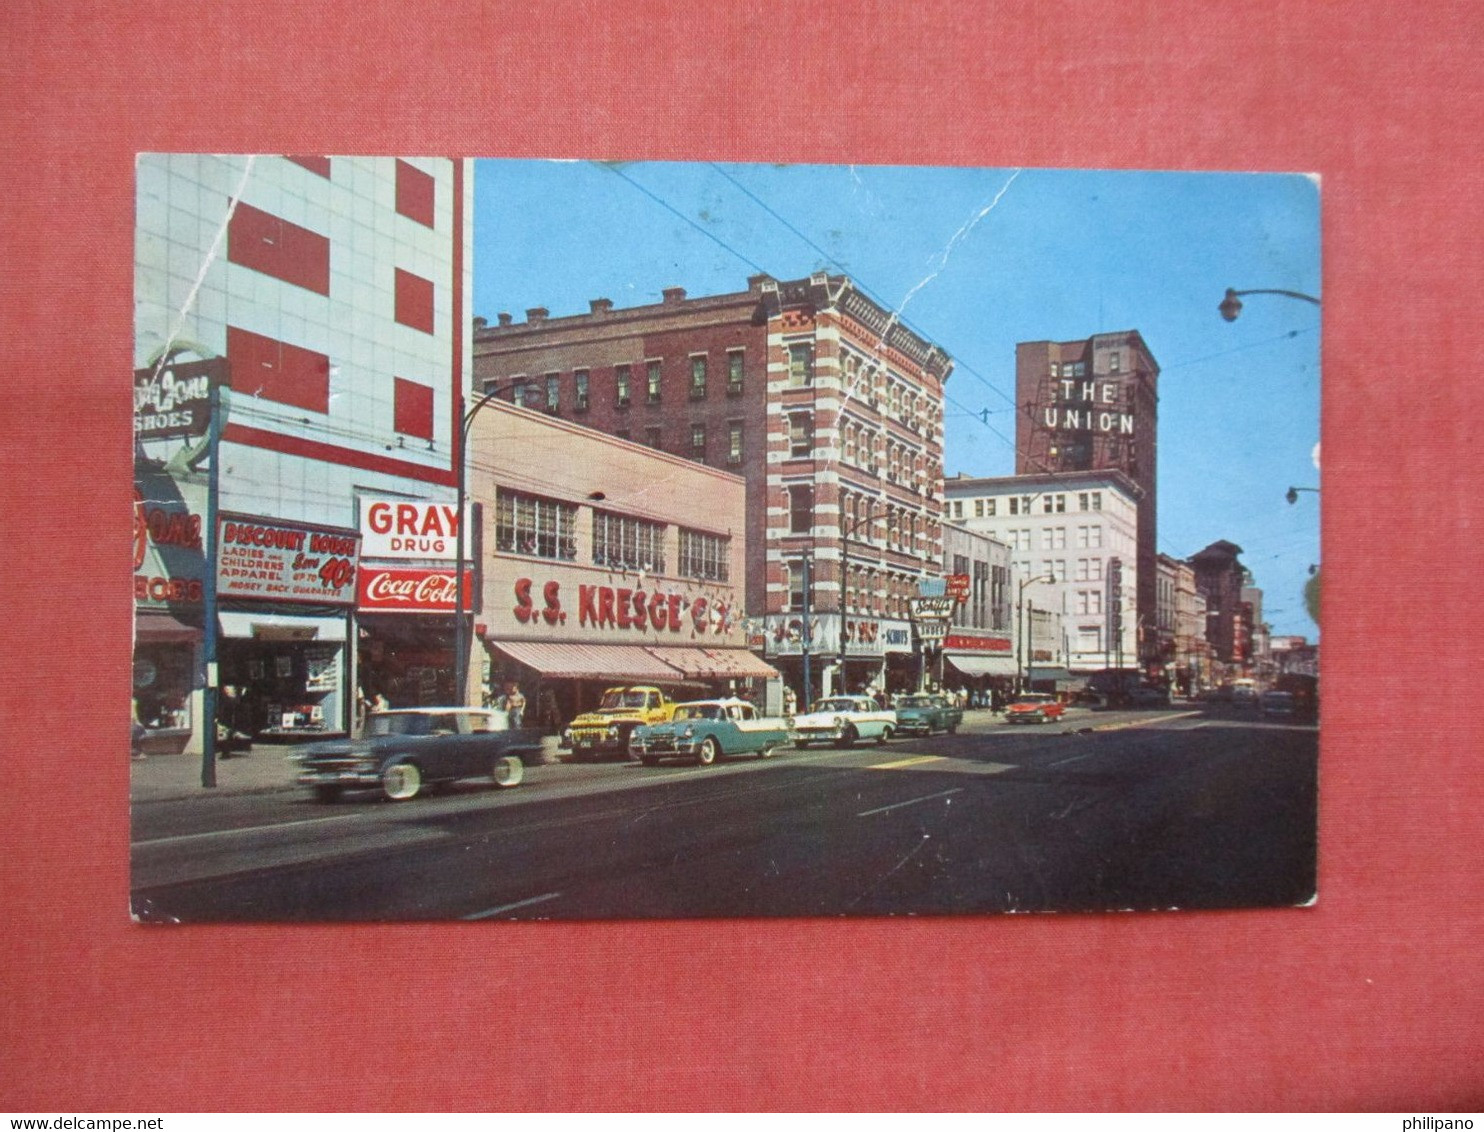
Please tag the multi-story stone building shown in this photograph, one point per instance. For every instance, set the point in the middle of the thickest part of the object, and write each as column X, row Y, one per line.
column 334, row 292
column 829, row 409
column 1073, row 539
column 1183, row 655
column 980, row 646
column 1220, row 577
column 1093, row 404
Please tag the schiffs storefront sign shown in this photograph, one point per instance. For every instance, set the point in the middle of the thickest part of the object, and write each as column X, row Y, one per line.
column 385, row 589
column 273, row 560
column 409, row 528
column 174, row 400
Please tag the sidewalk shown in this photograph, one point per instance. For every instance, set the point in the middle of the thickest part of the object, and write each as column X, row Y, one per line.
column 262, row 770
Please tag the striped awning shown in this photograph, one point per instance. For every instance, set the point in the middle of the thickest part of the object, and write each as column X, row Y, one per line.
column 660, row 664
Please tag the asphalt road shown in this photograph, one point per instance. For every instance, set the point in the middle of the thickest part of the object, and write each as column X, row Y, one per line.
column 1184, row 808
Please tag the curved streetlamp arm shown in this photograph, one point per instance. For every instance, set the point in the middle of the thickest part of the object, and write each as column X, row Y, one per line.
column 460, row 630
column 1231, row 306
column 1273, row 291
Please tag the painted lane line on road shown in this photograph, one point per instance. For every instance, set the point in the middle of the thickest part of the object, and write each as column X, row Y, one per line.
column 917, row 761
column 1073, row 759
column 912, row 802
column 488, row 913
column 274, row 827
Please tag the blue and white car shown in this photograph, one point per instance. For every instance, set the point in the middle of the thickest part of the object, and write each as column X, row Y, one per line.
column 706, row 730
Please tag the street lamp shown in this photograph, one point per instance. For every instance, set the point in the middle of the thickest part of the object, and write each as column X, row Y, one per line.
column 1021, row 657
column 460, row 629
column 1231, row 306
column 1293, row 493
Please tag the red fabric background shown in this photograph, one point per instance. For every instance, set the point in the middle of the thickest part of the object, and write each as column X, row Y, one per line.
column 1372, row 999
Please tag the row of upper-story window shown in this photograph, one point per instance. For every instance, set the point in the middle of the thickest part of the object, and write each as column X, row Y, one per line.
column 888, row 392
column 869, row 591
column 906, row 530
column 547, row 528
column 694, row 442
column 1079, row 368
column 641, row 382
column 868, row 449
column 1085, row 537
column 1051, row 503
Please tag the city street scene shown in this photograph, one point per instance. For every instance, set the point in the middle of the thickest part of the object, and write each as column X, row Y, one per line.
column 566, row 540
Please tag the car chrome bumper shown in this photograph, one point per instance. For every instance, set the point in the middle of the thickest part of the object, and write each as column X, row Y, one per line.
column 338, row 777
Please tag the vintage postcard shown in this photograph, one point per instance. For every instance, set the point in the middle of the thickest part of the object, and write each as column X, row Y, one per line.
column 573, row 540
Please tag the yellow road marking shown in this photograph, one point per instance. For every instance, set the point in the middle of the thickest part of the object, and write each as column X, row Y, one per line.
column 918, row 761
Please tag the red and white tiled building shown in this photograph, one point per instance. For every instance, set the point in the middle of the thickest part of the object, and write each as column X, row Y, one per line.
column 336, row 289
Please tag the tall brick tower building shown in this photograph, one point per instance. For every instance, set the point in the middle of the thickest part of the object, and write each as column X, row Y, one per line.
column 830, row 409
column 1093, row 405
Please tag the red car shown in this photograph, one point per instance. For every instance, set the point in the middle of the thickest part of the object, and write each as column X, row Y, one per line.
column 1034, row 707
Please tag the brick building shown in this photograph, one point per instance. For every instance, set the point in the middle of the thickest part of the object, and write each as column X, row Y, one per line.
column 829, row 409
column 1093, row 404
column 1220, row 578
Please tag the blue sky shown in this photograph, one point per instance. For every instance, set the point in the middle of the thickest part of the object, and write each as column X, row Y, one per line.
column 983, row 259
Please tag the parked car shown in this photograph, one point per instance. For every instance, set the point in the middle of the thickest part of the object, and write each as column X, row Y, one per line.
column 607, row 728
column 924, row 713
column 705, row 730
column 1149, row 695
column 844, row 719
column 1034, row 707
column 1275, row 702
column 402, row 750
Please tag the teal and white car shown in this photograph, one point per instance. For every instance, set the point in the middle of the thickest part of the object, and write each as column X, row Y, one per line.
column 842, row 720
column 706, row 730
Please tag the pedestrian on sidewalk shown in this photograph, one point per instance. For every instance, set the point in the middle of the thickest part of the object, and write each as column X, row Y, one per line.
column 136, row 731
column 514, row 704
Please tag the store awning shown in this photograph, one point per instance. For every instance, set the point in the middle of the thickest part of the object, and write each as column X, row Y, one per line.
column 588, row 662
column 661, row 664
column 281, row 627
column 161, row 628
column 714, row 664
column 976, row 665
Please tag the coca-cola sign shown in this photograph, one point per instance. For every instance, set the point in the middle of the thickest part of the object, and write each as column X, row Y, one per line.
column 386, row 590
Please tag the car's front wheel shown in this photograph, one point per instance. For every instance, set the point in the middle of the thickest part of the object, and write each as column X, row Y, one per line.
column 708, row 752
column 401, row 782
column 507, row 770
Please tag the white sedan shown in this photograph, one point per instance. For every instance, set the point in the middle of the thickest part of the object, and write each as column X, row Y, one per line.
column 842, row 720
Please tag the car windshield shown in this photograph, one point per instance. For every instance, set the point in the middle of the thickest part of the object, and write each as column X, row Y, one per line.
column 698, row 711
column 624, row 699
column 1033, row 698
column 915, row 701
column 835, row 705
